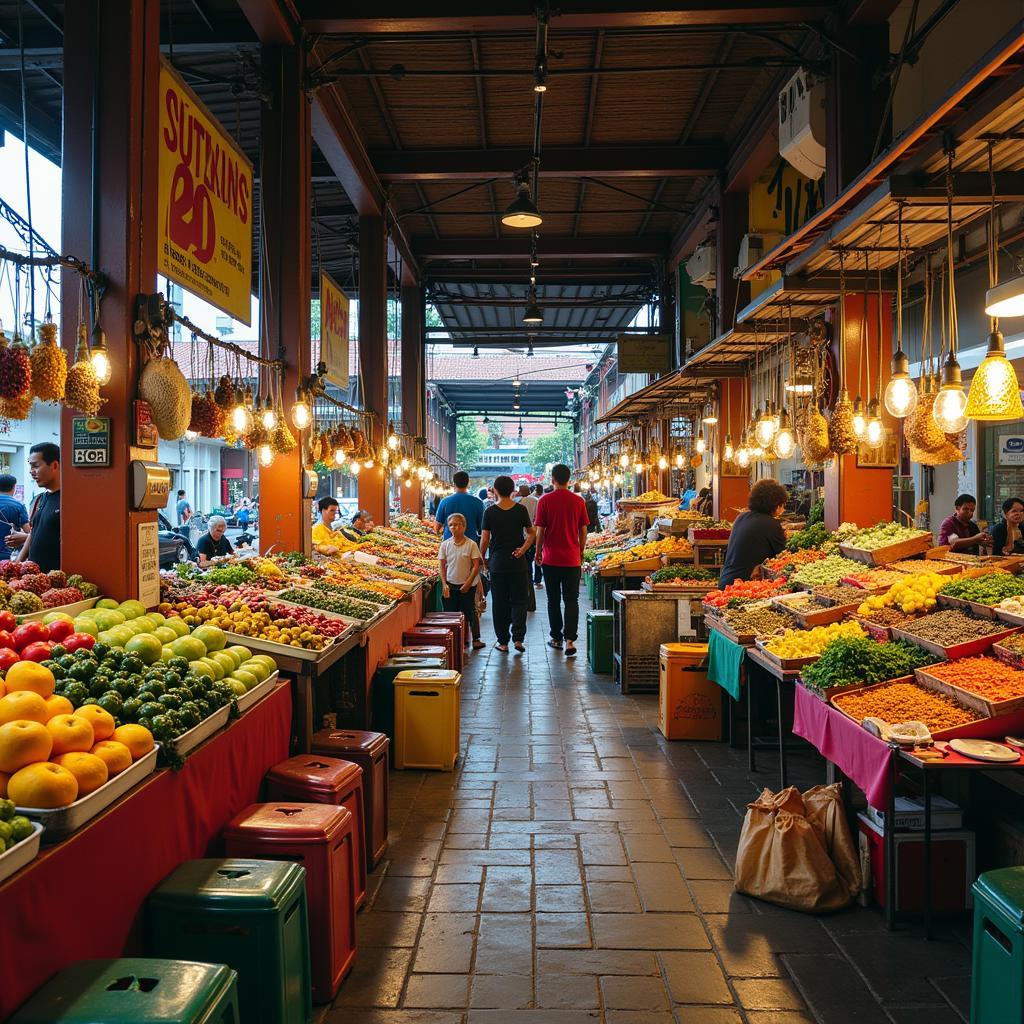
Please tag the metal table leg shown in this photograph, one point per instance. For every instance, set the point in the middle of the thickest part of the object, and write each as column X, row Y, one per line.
column 890, row 847
column 927, row 793
column 749, row 689
column 783, row 764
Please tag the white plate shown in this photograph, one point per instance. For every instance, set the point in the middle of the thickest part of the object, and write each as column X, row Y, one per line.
column 258, row 692
column 21, row 853
column 984, row 750
column 68, row 609
column 58, row 822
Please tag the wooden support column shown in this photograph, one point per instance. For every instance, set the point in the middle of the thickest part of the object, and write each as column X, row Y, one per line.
column 730, row 486
column 853, row 494
column 414, row 399
column 111, row 64
column 373, row 360
column 285, row 284
column 732, row 226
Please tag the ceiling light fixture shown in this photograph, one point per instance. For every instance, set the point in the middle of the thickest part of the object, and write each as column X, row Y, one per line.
column 522, row 212
column 533, row 314
column 476, row 351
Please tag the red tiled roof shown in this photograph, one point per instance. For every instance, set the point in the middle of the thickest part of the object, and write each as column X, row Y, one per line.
column 492, row 366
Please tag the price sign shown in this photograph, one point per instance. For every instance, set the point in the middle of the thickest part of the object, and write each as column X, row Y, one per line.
column 90, row 442
column 149, row 564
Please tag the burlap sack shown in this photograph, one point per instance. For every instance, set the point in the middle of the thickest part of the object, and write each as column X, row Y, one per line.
column 824, row 806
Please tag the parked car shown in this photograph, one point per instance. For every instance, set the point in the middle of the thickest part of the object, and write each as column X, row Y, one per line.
column 174, row 547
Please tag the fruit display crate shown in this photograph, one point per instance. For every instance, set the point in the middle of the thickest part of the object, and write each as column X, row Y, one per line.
column 677, row 588
column 638, row 565
column 696, row 533
column 974, row 701
column 1008, row 655
column 68, row 609
column 21, row 853
column 189, row 740
column 59, row 822
column 979, row 645
column 783, row 664
column 975, row 608
column 820, row 617
column 258, row 692
column 721, row 626
column 275, row 649
column 356, row 624
column 890, row 552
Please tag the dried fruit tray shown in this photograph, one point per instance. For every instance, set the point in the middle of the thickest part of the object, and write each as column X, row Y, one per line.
column 258, row 692
column 974, row 701
column 981, row 611
column 807, row 619
column 829, row 692
column 979, row 645
column 59, row 822
column 285, row 650
column 743, row 639
column 1009, row 655
column 21, row 853
column 889, row 553
column 68, row 609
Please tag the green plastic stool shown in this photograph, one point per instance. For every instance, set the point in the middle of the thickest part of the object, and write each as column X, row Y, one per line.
column 250, row 914
column 135, row 989
column 599, row 641
column 997, row 973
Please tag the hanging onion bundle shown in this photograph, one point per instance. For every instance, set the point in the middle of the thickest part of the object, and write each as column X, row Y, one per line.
column 813, row 436
column 82, row 386
column 923, row 432
column 15, row 369
column 17, row 408
column 842, row 439
column 207, row 417
column 948, row 452
column 163, row 386
column 224, row 396
column 49, row 366
column 257, row 436
column 282, row 441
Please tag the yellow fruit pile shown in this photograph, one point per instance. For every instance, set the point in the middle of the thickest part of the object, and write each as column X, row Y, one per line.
column 809, row 643
column 653, row 496
column 916, row 593
column 266, row 568
column 51, row 754
column 669, row 545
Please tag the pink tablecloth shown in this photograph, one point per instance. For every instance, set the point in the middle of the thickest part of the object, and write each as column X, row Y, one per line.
column 862, row 757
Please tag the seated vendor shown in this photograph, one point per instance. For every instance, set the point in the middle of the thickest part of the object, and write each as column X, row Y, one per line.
column 1006, row 535
column 325, row 537
column 959, row 530
column 213, row 544
column 362, row 523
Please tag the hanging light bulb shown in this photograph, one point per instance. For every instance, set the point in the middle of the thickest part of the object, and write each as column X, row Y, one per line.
column 522, row 212
column 534, row 315
column 269, row 416
column 874, row 434
column 397, row 471
column 404, row 464
column 368, row 464
column 764, row 431
column 354, row 468
column 623, row 460
column 901, row 391
column 300, row 411
column 743, row 458
column 1006, row 299
column 99, row 356
column 618, row 479
column 421, row 472
column 700, row 445
column 860, row 419
column 662, row 462
column 393, row 441
column 266, row 455
column 995, row 391
column 728, row 452
column 784, row 444
column 241, row 418
column 950, row 402
column 407, row 482
column 710, row 416
column 679, row 459
column 339, row 456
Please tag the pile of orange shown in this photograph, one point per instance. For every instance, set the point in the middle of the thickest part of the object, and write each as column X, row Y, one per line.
column 51, row 754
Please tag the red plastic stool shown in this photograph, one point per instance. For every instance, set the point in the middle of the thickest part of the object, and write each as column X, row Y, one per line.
column 369, row 750
column 316, row 779
column 436, row 635
column 423, row 651
column 457, row 619
column 321, row 838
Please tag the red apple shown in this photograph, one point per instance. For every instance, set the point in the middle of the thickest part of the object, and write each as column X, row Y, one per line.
column 8, row 657
column 37, row 651
column 29, row 633
column 58, row 629
column 7, row 620
column 76, row 640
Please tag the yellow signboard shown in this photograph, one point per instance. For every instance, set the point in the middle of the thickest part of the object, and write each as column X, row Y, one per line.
column 205, row 202
column 334, row 330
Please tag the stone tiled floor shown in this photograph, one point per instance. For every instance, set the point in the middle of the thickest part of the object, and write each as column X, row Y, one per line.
column 576, row 869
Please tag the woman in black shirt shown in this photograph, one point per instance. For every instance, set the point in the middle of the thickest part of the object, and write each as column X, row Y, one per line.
column 506, row 537
column 213, row 544
column 757, row 533
column 1007, row 538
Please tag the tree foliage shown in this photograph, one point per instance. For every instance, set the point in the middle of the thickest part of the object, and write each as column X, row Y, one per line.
column 558, row 446
column 470, row 441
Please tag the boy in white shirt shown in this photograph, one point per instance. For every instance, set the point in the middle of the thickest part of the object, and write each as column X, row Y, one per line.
column 459, row 560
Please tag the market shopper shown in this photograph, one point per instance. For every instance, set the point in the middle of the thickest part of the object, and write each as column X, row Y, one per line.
column 325, row 537
column 507, row 535
column 242, row 514
column 757, row 533
column 1007, row 537
column 459, row 560
column 213, row 544
column 561, row 538
column 466, row 504
column 13, row 514
column 959, row 530
column 593, row 515
column 538, row 575
column 359, row 526
column 529, row 501
column 42, row 542
column 182, row 509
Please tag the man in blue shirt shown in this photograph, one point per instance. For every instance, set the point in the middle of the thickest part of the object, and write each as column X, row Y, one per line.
column 183, row 508
column 465, row 504
column 13, row 514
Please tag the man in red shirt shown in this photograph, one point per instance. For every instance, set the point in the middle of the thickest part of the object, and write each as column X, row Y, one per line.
column 561, row 522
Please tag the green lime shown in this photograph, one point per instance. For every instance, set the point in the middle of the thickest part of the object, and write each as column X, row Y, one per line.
column 21, row 827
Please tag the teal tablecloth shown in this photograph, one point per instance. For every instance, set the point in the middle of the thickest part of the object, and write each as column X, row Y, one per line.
column 725, row 663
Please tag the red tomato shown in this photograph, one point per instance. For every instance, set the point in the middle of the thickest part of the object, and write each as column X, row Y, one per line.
column 6, row 639
column 7, row 620
column 30, row 633
column 76, row 640
column 58, row 629
column 37, row 651
column 8, row 657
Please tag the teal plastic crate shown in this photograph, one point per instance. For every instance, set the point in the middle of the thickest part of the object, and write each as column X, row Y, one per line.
column 599, row 640
column 250, row 914
column 997, row 973
column 136, row 989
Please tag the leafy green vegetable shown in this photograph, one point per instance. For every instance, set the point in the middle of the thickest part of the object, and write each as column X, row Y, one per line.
column 817, row 513
column 858, row 661
column 683, row 572
column 989, row 589
column 811, row 536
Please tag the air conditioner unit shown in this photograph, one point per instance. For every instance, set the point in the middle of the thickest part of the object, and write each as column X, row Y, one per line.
column 802, row 124
column 753, row 248
column 701, row 265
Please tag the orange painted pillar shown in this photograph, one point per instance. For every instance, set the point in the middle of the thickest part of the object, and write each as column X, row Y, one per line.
column 373, row 357
column 285, row 192
column 111, row 47
column 860, row 493
column 414, row 398
column 730, row 485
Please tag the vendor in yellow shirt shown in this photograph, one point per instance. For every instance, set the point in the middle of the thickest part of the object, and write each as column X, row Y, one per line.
column 326, row 539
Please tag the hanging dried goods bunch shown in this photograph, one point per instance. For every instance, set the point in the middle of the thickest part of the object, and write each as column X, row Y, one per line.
column 15, row 368
column 82, row 387
column 922, row 431
column 163, row 386
column 813, row 436
column 282, row 441
column 225, row 393
column 841, row 437
column 49, row 366
column 17, row 408
column 356, row 438
column 948, row 452
column 257, row 436
column 207, row 417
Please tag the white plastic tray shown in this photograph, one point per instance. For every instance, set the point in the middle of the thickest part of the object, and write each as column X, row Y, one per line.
column 21, row 853
column 257, row 693
column 355, row 623
column 285, row 650
column 59, row 822
column 205, row 729
column 68, row 609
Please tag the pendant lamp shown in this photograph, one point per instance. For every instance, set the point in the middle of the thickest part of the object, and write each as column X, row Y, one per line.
column 522, row 212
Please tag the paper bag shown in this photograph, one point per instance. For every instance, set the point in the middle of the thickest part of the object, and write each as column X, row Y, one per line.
column 826, row 813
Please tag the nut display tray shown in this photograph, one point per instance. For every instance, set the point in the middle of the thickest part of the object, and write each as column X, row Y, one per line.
column 979, row 645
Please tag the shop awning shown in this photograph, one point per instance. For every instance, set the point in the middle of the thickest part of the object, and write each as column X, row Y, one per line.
column 675, row 394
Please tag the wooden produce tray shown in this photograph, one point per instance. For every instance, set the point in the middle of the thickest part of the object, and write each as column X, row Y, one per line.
column 638, row 565
column 980, row 611
column 849, row 581
column 785, row 664
column 258, row 692
column 677, row 558
column 875, row 630
column 889, row 553
column 822, row 617
column 974, row 701
column 68, row 609
column 829, row 692
column 21, row 853
column 1010, row 617
column 719, row 624
column 284, row 650
column 979, row 645
column 695, row 588
column 696, row 533
column 1008, row 655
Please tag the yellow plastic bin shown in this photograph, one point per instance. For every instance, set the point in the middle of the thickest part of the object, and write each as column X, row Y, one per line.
column 427, row 718
column 689, row 704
